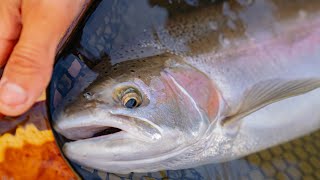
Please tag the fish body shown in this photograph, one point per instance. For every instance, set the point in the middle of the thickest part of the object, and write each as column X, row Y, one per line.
column 209, row 95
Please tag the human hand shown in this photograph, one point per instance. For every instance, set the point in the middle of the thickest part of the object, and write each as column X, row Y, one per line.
column 30, row 31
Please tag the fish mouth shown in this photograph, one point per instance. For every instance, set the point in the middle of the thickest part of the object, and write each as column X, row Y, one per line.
column 89, row 125
column 114, row 138
column 96, row 136
column 107, row 131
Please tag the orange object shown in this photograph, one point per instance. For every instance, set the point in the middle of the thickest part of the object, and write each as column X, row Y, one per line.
column 28, row 149
column 35, row 162
column 42, row 97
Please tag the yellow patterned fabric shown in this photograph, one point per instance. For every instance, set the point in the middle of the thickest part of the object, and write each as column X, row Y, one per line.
column 24, row 135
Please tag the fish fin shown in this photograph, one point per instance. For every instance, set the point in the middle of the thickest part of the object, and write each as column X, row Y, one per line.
column 268, row 92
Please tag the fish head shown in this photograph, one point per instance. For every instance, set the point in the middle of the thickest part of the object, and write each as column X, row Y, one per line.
column 140, row 116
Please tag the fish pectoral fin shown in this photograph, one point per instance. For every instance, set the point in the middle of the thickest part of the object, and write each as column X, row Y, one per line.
column 270, row 91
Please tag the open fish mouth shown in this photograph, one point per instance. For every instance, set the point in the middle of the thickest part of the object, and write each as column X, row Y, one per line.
column 107, row 131
column 89, row 132
column 88, row 124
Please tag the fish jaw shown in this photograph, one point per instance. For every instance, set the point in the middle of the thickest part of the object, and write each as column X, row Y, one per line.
column 123, row 153
column 128, row 148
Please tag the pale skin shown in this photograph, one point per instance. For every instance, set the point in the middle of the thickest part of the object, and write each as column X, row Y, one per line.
column 30, row 31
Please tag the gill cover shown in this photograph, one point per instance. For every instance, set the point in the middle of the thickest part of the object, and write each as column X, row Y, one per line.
column 195, row 93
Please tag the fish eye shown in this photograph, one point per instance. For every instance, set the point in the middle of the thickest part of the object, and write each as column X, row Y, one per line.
column 130, row 102
column 130, row 98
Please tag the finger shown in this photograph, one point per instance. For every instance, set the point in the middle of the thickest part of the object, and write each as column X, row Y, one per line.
column 29, row 67
column 10, row 27
column 6, row 47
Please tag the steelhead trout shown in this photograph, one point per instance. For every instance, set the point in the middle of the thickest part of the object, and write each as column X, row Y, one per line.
column 227, row 80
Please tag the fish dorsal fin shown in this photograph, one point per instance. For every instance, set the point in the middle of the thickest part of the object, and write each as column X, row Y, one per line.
column 270, row 91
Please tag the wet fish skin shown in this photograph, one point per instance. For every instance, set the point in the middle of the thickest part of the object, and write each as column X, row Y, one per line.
column 201, row 107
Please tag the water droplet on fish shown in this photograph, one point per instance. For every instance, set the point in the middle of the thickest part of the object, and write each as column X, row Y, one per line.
column 227, row 11
column 224, row 41
column 245, row 2
column 156, row 136
column 302, row 15
column 231, row 25
column 213, row 25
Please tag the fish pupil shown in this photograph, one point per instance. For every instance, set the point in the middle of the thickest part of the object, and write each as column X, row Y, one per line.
column 131, row 103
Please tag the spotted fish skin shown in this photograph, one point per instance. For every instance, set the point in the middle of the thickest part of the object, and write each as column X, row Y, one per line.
column 202, row 105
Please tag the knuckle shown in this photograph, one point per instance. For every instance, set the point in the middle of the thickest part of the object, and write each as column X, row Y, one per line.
column 29, row 59
column 10, row 24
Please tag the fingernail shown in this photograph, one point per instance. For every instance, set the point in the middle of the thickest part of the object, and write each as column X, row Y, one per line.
column 12, row 94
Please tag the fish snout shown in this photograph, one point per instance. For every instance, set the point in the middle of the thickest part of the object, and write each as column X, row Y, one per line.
column 74, row 126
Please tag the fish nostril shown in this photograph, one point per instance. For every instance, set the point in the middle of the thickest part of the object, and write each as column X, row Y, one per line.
column 87, row 95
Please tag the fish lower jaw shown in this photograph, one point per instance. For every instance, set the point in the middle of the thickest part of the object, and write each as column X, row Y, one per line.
column 131, row 163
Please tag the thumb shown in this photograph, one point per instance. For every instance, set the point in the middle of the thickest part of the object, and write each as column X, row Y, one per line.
column 29, row 67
